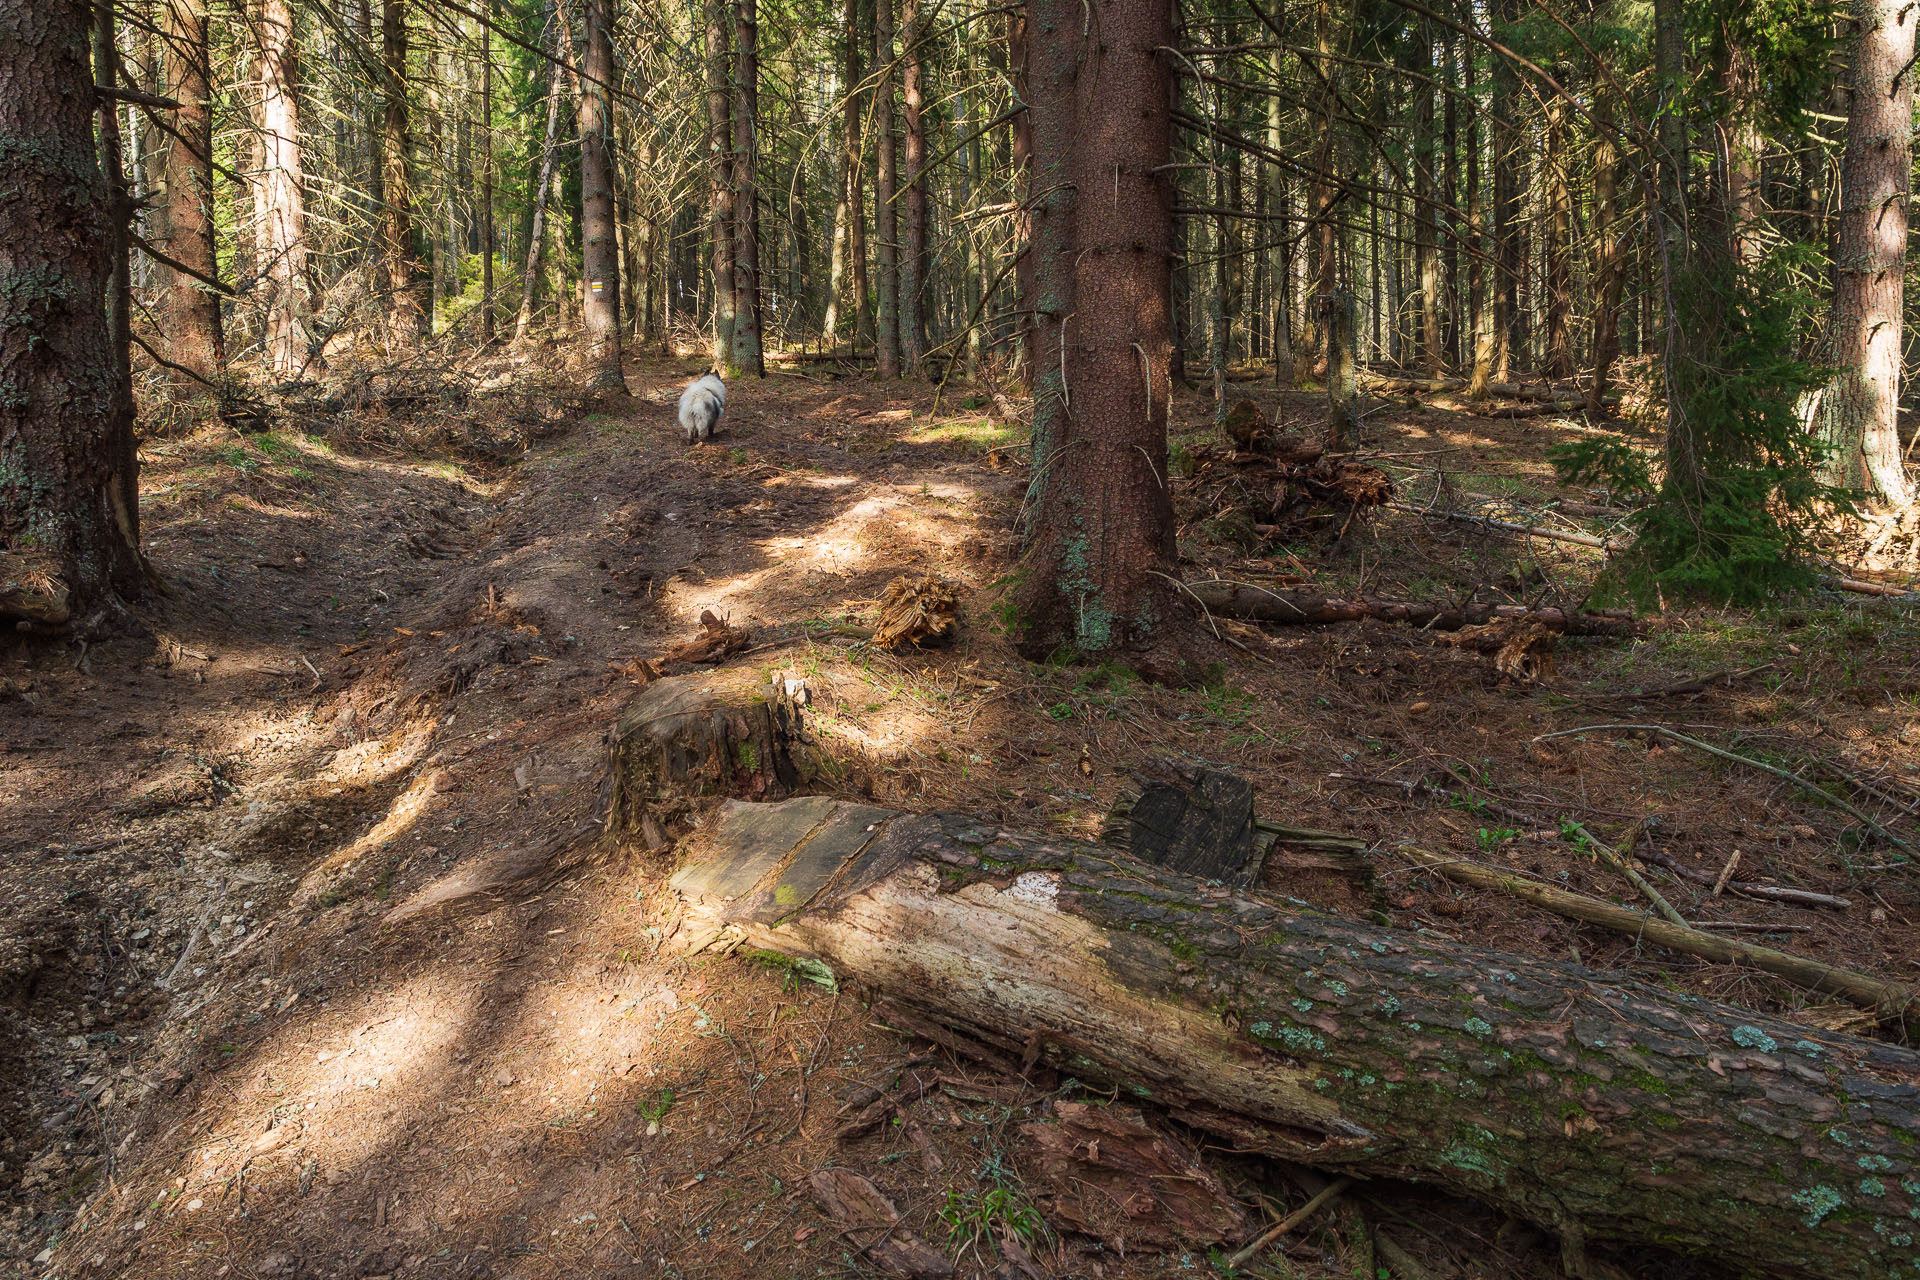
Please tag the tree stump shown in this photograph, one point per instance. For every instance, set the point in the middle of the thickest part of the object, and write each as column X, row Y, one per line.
column 707, row 734
column 1602, row 1108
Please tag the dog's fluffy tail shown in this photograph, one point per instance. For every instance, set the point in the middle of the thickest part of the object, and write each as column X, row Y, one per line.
column 701, row 406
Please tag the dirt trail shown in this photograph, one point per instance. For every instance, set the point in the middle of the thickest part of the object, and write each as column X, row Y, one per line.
column 375, row 671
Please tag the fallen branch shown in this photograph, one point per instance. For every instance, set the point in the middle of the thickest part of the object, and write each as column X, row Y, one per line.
column 1744, row 888
column 1892, row 1002
column 1244, row 600
column 1774, row 769
column 1331, row 1192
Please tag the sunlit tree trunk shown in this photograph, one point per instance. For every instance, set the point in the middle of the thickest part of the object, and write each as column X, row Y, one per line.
column 720, row 181
column 1279, row 202
column 1097, row 576
column 1426, row 257
column 487, row 229
column 599, row 241
column 1859, row 411
column 913, row 249
column 1557, row 243
column 1610, row 252
column 119, row 299
column 283, row 233
column 1509, row 320
column 747, row 357
column 407, row 319
column 543, row 190
column 65, row 435
column 886, row 214
column 855, row 188
column 190, row 309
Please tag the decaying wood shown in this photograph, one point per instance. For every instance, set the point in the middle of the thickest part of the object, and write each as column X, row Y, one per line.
column 918, row 611
column 716, row 640
column 1153, row 1178
column 1603, row 1108
column 32, row 596
column 869, row 1222
column 1243, row 600
column 714, row 733
column 1200, row 821
column 1894, row 1003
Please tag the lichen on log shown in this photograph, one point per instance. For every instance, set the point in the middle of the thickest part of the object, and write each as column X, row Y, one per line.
column 1600, row 1107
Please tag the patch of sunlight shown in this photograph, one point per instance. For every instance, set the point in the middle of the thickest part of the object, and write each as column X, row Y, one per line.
column 367, row 764
column 978, row 434
column 245, row 502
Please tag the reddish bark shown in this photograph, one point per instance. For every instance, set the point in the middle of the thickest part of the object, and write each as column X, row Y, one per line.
column 190, row 309
column 600, row 247
column 1097, row 574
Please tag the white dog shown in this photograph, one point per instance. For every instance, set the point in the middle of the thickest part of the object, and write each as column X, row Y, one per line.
column 701, row 405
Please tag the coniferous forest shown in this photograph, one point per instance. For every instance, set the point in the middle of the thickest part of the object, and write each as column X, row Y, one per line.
column 1122, row 638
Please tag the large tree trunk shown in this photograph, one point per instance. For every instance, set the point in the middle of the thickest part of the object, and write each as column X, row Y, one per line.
column 913, row 249
column 1100, row 555
column 600, row 246
column 283, row 237
column 1858, row 414
column 886, row 214
column 65, row 435
column 1604, row 1110
column 720, row 228
column 190, row 311
column 407, row 320
column 747, row 356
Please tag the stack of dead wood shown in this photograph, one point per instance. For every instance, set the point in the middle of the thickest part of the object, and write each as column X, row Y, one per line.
column 1285, row 480
column 717, row 639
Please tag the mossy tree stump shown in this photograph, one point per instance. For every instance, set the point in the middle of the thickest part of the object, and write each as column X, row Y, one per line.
column 1605, row 1109
column 713, row 733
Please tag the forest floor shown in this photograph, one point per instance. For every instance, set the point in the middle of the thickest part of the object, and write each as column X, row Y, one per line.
column 388, row 652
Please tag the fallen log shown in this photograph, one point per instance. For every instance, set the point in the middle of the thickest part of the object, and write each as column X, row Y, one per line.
column 1242, row 600
column 1603, row 1109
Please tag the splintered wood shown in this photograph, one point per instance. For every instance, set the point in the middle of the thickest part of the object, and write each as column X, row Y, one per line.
column 1155, row 1180
column 923, row 612
column 1522, row 648
column 716, row 640
column 872, row 1225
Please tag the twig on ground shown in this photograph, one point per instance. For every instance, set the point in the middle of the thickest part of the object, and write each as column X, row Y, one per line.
column 1332, row 1191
